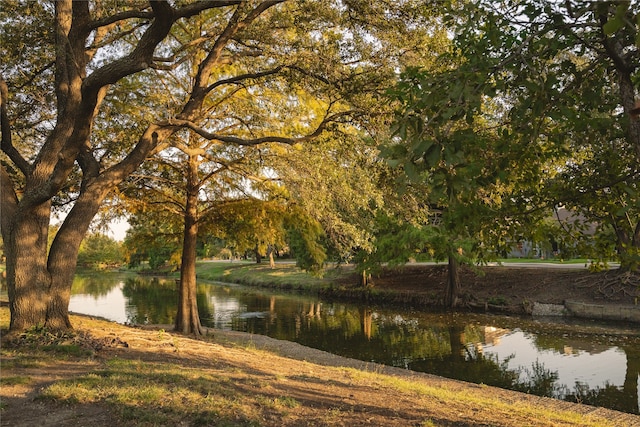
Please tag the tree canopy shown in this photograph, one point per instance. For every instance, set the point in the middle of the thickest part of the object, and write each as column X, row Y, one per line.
column 107, row 84
column 504, row 111
column 567, row 77
column 532, row 109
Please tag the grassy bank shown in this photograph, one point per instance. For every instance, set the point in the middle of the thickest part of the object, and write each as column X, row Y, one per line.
column 283, row 275
column 340, row 282
column 504, row 288
column 109, row 374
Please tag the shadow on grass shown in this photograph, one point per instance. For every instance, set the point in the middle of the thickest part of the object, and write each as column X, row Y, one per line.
column 159, row 393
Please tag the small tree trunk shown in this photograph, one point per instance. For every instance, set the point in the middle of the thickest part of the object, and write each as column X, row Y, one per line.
column 258, row 256
column 270, row 251
column 188, row 318
column 365, row 279
column 628, row 248
column 453, row 283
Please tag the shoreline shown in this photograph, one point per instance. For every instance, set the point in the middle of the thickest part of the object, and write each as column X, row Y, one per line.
column 366, row 393
column 610, row 311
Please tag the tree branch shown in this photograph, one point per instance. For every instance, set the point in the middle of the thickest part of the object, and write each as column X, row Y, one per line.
column 122, row 16
column 142, row 55
column 235, row 24
column 88, row 163
column 613, row 48
column 256, row 141
column 150, row 141
column 242, row 77
column 199, row 6
column 183, row 12
column 9, row 202
column 5, row 129
column 35, row 74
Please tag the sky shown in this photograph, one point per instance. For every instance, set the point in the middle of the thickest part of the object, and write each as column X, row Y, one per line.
column 118, row 229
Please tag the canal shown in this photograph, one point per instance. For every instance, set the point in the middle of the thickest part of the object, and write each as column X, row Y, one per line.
column 588, row 362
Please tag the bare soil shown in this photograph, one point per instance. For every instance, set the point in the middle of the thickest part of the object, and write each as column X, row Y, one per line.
column 327, row 396
column 509, row 289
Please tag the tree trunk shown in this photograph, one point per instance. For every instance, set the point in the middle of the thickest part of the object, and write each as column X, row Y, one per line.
column 270, row 251
column 28, row 281
column 188, row 318
column 39, row 281
column 628, row 247
column 63, row 255
column 258, row 255
column 453, row 283
column 627, row 91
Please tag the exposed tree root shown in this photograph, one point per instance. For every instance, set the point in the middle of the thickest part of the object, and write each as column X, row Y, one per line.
column 62, row 341
column 612, row 284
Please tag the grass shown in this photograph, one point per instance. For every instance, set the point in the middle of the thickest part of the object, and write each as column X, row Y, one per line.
column 69, row 350
column 285, row 276
column 19, row 361
column 15, row 380
column 453, row 398
column 160, row 393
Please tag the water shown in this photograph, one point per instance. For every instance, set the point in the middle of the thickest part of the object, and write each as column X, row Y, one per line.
column 585, row 362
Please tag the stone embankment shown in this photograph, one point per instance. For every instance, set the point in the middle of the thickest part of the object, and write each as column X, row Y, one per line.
column 629, row 313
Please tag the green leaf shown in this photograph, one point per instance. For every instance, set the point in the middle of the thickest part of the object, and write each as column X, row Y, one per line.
column 613, row 25
column 411, row 171
column 432, row 155
column 394, row 163
column 422, row 147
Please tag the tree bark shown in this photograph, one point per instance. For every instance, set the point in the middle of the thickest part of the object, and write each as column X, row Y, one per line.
column 28, row 280
column 63, row 254
column 258, row 255
column 188, row 318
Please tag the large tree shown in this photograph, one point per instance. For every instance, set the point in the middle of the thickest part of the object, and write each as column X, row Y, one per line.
column 39, row 164
column 566, row 75
column 91, row 89
column 60, row 135
column 202, row 185
column 454, row 156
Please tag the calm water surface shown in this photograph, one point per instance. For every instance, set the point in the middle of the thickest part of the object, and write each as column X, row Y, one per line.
column 586, row 362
